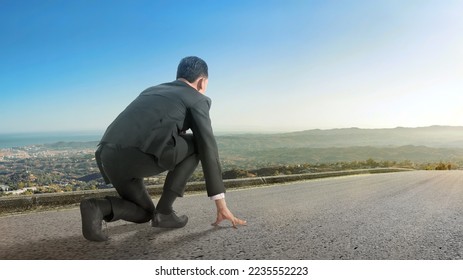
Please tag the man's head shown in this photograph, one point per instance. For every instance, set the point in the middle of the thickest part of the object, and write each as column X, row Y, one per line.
column 193, row 70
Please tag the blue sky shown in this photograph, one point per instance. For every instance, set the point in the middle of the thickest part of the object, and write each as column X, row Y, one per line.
column 274, row 65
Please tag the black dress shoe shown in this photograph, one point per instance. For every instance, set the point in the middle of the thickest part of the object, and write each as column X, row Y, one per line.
column 92, row 217
column 169, row 221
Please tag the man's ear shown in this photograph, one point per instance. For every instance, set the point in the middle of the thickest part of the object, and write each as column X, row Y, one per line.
column 201, row 84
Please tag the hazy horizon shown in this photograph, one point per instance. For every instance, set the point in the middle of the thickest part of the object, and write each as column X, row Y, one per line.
column 10, row 140
column 216, row 131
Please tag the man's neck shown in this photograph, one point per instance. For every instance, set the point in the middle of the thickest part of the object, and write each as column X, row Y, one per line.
column 193, row 85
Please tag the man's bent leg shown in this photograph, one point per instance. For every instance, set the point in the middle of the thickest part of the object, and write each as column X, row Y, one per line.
column 134, row 205
column 174, row 187
column 175, row 183
column 125, row 169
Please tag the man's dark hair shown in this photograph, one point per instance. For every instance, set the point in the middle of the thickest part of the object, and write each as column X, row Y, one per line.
column 191, row 68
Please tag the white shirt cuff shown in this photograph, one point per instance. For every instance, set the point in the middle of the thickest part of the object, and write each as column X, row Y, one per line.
column 217, row 196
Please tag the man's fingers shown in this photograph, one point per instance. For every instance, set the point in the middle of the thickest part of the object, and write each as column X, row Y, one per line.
column 235, row 221
column 240, row 222
column 217, row 221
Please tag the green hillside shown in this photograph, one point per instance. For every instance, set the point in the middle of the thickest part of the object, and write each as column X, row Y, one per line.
column 421, row 145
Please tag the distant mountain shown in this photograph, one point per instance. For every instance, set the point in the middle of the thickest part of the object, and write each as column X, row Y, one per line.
column 433, row 136
column 425, row 144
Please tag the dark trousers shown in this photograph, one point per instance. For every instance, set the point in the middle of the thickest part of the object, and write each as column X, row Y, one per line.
column 126, row 167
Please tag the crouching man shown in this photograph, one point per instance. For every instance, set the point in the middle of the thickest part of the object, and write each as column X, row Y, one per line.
column 148, row 138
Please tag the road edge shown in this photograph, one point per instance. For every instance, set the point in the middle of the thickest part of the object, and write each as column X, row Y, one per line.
column 18, row 204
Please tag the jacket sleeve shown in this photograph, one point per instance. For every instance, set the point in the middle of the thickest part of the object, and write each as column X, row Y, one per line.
column 207, row 147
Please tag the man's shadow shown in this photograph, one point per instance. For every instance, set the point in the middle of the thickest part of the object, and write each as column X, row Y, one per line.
column 142, row 242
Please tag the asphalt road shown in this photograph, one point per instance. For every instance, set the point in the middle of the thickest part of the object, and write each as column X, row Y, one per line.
column 406, row 215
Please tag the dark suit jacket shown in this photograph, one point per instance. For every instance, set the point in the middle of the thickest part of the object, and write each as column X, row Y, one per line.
column 156, row 118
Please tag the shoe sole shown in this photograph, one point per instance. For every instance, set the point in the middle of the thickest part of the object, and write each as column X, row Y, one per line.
column 156, row 223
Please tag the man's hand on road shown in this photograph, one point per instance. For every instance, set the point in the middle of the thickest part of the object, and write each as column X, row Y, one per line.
column 223, row 213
